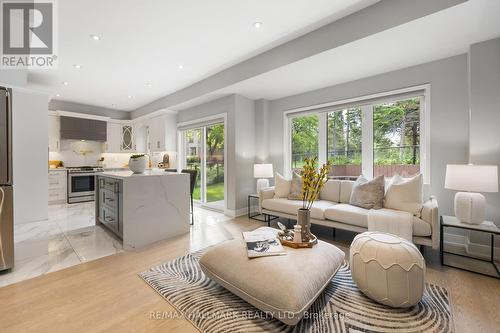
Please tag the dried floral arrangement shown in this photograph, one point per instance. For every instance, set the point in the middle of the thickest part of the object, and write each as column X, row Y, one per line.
column 313, row 181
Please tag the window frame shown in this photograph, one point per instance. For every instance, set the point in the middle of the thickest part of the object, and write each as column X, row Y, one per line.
column 366, row 104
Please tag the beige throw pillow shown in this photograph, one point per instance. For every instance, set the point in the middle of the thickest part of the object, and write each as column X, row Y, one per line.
column 281, row 186
column 368, row 194
column 296, row 187
column 405, row 194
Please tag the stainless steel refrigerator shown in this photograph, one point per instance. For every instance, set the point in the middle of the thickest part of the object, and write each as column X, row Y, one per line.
column 6, row 202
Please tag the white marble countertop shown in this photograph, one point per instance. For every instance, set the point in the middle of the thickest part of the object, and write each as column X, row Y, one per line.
column 130, row 174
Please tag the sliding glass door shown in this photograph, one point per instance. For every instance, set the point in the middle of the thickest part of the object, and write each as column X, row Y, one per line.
column 203, row 149
column 193, row 156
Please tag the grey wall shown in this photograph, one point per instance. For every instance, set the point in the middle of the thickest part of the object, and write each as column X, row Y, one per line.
column 244, row 149
column 221, row 105
column 449, row 115
column 485, row 112
column 55, row 105
column 261, row 130
column 240, row 143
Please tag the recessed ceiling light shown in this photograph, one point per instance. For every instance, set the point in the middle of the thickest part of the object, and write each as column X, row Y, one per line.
column 66, row 83
column 58, row 95
column 95, row 37
column 181, row 67
column 129, row 96
column 257, row 25
column 77, row 66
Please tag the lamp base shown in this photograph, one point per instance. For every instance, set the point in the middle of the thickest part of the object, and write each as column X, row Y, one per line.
column 261, row 184
column 470, row 207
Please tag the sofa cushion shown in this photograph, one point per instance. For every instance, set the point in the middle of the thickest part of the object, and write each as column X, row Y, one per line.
column 368, row 194
column 345, row 190
column 283, row 286
column 284, row 205
column 295, row 187
column 331, row 191
column 405, row 194
column 348, row 214
column 281, row 186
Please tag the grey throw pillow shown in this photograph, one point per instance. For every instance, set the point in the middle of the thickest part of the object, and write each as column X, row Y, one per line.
column 296, row 187
column 368, row 194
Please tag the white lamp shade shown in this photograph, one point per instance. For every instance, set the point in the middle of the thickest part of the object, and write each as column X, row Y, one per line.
column 472, row 178
column 263, row 170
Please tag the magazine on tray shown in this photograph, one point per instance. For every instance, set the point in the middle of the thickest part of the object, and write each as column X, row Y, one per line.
column 262, row 243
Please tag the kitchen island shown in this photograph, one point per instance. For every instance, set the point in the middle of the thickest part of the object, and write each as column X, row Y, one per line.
column 143, row 208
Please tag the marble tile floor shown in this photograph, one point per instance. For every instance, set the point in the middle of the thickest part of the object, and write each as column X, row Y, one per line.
column 69, row 237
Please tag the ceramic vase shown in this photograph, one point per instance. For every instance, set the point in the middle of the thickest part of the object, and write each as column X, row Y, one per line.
column 138, row 165
column 304, row 220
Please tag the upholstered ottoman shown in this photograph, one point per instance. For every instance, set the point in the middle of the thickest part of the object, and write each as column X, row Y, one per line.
column 387, row 268
column 282, row 286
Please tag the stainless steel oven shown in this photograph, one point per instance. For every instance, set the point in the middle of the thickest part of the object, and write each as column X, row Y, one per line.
column 81, row 184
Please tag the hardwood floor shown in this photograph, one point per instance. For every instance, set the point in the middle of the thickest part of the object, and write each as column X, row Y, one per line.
column 106, row 295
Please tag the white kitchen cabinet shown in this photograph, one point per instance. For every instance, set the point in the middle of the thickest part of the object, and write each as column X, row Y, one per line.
column 162, row 133
column 157, row 134
column 57, row 186
column 114, row 137
column 54, row 133
column 171, row 132
column 127, row 138
column 141, row 137
column 120, row 137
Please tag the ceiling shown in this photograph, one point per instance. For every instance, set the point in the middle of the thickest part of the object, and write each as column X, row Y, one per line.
column 443, row 34
column 143, row 43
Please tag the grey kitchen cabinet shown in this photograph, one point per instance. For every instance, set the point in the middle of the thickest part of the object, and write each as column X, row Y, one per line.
column 109, row 204
column 82, row 129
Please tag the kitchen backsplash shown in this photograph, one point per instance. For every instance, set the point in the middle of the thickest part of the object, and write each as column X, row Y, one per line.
column 80, row 153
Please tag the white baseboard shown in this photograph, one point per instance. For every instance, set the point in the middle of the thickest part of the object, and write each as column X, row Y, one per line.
column 474, row 249
column 236, row 213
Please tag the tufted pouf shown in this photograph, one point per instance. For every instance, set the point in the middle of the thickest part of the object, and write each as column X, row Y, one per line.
column 387, row 268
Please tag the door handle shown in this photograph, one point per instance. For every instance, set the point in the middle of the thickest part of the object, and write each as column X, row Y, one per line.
column 2, row 193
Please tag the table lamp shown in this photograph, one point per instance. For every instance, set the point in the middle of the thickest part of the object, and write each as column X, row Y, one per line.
column 262, row 172
column 470, row 206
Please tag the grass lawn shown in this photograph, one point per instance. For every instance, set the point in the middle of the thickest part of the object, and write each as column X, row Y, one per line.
column 215, row 192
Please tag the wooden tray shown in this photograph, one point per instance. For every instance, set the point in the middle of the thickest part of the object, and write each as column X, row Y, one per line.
column 309, row 244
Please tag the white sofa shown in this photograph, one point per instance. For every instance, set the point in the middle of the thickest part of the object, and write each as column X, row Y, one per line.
column 333, row 210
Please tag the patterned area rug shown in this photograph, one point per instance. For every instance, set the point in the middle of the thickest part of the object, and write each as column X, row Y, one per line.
column 341, row 307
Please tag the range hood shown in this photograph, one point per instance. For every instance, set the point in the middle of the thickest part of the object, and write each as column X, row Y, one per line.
column 83, row 129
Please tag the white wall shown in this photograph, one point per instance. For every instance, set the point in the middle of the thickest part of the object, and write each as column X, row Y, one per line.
column 449, row 116
column 13, row 77
column 30, row 152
